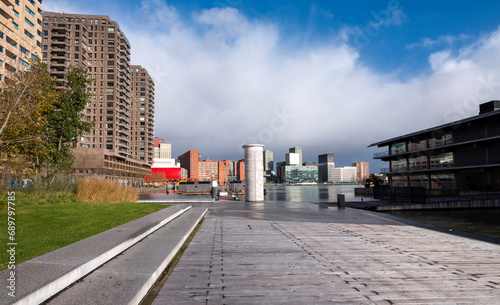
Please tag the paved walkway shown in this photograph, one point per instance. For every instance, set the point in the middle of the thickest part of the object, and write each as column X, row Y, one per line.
column 306, row 254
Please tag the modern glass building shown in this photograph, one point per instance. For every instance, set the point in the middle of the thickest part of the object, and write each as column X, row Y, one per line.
column 299, row 174
column 462, row 155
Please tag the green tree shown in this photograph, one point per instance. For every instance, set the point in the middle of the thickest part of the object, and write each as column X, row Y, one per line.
column 65, row 121
column 25, row 100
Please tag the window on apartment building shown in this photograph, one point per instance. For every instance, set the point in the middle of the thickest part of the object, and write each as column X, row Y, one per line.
column 16, row 13
column 27, row 33
column 38, row 33
column 15, row 25
column 77, row 34
column 77, row 56
column 32, row 2
column 29, row 23
column 39, row 21
column 29, row 11
column 111, row 29
column 17, row 2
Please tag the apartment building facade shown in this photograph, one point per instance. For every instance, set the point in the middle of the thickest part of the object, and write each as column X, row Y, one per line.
column 143, row 119
column 20, row 35
column 97, row 44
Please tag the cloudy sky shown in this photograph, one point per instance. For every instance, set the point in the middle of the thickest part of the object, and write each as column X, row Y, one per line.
column 330, row 76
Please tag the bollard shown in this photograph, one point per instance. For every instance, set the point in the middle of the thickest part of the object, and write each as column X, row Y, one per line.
column 341, row 201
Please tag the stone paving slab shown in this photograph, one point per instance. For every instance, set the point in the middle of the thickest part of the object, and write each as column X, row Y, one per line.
column 248, row 261
column 42, row 277
column 127, row 278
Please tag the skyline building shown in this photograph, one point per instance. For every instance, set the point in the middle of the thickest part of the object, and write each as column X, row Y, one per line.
column 20, row 35
column 296, row 150
column 362, row 171
column 115, row 147
column 190, row 161
column 326, row 165
column 142, row 125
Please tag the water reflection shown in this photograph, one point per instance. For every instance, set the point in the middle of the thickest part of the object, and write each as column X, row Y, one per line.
column 311, row 193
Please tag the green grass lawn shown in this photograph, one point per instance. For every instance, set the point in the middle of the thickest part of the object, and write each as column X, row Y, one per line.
column 46, row 224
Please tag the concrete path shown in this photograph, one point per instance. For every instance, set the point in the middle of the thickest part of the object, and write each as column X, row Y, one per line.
column 308, row 254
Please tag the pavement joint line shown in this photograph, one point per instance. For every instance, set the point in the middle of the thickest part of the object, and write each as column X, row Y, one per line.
column 47, row 291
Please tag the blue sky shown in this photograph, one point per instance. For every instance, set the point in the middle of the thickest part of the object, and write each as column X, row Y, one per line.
column 330, row 76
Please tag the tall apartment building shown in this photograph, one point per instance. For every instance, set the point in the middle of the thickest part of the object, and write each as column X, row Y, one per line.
column 362, row 171
column 142, row 120
column 20, row 34
column 190, row 161
column 97, row 44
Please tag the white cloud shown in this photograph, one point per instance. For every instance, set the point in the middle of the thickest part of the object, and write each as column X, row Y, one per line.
column 223, row 80
column 447, row 40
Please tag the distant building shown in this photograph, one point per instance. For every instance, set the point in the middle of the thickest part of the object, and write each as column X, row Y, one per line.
column 362, row 171
column 296, row 150
column 208, row 170
column 280, row 171
column 309, row 164
column 268, row 165
column 462, row 155
column 165, row 151
column 239, row 167
column 346, row 174
column 299, row 174
column 189, row 160
column 166, row 169
column 293, row 159
column 156, row 145
column 326, row 165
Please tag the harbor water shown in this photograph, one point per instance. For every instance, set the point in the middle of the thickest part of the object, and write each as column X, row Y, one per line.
column 485, row 222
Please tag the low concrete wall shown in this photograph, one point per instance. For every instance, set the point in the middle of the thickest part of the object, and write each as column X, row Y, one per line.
column 195, row 187
column 463, row 204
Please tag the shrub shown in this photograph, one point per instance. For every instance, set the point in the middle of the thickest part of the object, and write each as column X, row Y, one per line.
column 102, row 190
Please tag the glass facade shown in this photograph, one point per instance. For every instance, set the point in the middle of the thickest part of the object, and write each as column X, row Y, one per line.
column 398, row 148
column 300, row 174
column 414, row 145
column 444, row 160
column 418, row 163
column 398, row 165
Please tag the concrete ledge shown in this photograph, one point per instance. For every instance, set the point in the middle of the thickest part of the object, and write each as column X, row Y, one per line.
column 127, row 278
column 152, row 279
column 463, row 204
column 44, row 276
column 169, row 201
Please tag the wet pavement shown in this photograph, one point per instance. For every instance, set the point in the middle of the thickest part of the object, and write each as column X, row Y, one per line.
column 306, row 253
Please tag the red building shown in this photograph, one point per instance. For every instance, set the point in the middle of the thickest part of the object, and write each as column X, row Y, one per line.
column 190, row 161
column 239, row 169
column 362, row 171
